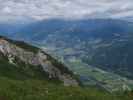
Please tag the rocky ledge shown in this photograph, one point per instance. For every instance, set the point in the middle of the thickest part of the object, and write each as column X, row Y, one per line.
column 51, row 66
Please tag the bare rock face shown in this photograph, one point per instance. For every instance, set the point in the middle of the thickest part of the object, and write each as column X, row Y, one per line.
column 40, row 58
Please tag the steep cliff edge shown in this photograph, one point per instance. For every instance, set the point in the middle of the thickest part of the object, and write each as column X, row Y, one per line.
column 29, row 55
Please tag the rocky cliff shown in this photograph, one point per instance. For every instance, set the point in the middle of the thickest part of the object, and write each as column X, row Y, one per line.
column 15, row 50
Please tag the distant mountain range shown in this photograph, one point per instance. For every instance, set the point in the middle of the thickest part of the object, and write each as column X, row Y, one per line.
column 10, row 26
column 104, row 28
column 90, row 27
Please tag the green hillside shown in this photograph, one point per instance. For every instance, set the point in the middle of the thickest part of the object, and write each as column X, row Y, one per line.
column 34, row 89
column 22, row 81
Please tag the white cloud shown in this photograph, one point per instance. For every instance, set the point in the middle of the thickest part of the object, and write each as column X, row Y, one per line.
column 70, row 9
column 6, row 10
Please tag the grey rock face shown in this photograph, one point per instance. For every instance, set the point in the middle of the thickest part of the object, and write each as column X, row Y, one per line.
column 37, row 59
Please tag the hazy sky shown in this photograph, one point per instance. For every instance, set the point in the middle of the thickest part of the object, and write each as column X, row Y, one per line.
column 70, row 9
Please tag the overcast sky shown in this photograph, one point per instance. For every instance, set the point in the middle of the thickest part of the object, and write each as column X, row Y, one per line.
column 66, row 9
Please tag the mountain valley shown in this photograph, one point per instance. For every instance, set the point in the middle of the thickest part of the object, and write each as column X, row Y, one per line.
column 93, row 53
column 27, row 73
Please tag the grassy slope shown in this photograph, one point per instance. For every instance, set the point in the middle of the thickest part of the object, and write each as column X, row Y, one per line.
column 44, row 90
column 26, row 82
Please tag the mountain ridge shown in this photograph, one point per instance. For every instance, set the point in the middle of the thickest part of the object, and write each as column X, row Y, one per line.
column 49, row 65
